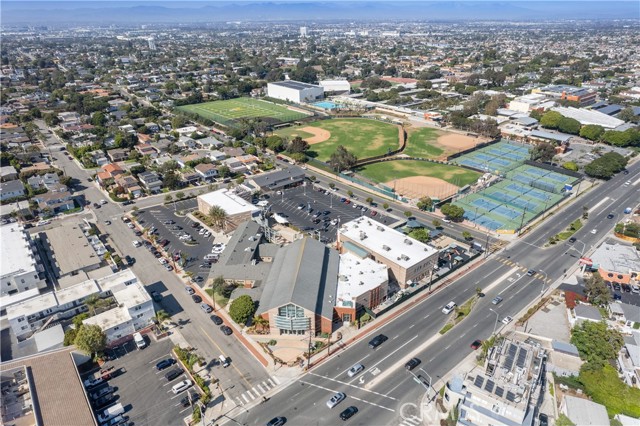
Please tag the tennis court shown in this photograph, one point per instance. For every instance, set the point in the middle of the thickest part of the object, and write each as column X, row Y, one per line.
column 230, row 112
column 498, row 158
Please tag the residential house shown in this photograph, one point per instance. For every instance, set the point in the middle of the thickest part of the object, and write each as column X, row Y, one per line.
column 56, row 202
column 8, row 173
column 118, row 154
column 48, row 181
column 232, row 151
column 109, row 172
column 235, row 165
column 249, row 161
column 146, row 149
column 183, row 160
column 207, row 171
column 216, row 155
column 151, row 181
column 11, row 189
column 189, row 178
column 142, row 138
column 186, row 142
column 152, row 127
column 584, row 312
column 209, row 143
column 129, row 184
column 99, row 158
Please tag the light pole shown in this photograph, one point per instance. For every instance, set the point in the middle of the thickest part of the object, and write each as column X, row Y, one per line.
column 495, row 325
column 543, row 282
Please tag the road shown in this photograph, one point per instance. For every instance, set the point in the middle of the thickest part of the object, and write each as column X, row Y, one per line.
column 382, row 389
column 197, row 328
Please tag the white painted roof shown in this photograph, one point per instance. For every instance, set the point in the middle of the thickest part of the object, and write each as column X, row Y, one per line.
column 357, row 276
column 585, row 116
column 109, row 319
column 14, row 250
column 230, row 202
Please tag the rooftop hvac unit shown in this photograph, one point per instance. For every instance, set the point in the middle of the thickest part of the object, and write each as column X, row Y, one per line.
column 386, row 248
column 408, row 241
column 380, row 228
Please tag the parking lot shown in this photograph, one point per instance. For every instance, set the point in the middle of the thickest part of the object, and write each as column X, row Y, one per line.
column 195, row 251
column 144, row 391
column 305, row 208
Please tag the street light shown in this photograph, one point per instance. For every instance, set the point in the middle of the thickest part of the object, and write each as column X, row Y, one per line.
column 543, row 282
column 496, row 323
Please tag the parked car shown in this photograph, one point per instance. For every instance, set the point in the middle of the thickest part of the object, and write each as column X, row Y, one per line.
column 102, row 392
column 277, row 421
column 507, row 320
column 196, row 298
column 377, row 341
column 226, row 330
column 189, row 290
column 168, row 267
column 103, row 401
column 93, row 382
column 206, row 308
column 157, row 297
column 165, row 363
column 173, row 374
column 216, row 320
column 130, row 260
column 181, row 386
column 355, row 370
column 336, row 399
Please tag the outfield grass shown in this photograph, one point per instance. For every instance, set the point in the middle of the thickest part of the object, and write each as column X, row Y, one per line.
column 229, row 111
column 421, row 142
column 292, row 132
column 389, row 170
column 364, row 138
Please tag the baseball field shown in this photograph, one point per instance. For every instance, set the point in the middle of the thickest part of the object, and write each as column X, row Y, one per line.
column 230, row 111
column 425, row 142
column 364, row 138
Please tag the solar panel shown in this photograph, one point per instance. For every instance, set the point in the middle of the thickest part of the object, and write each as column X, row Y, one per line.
column 489, row 386
column 479, row 381
column 522, row 357
column 499, row 391
column 511, row 397
column 512, row 349
column 508, row 363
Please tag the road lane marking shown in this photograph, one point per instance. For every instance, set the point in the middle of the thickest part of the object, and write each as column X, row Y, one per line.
column 222, row 352
column 245, row 398
column 353, row 397
column 397, row 386
column 353, row 386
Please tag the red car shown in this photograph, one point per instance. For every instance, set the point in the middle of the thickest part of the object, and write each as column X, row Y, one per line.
column 373, row 212
column 163, row 243
column 476, row 344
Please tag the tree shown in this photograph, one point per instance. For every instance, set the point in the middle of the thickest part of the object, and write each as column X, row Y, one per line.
column 342, row 159
column 93, row 300
column 543, row 152
column 569, row 125
column 162, row 316
column 420, row 234
column 385, row 206
column 596, row 342
column 551, row 119
column 350, row 193
column 298, row 145
column 168, row 198
column 570, row 165
column 98, row 119
column 467, row 235
column 260, row 322
column 275, row 143
column 585, row 212
column 369, row 200
column 171, row 181
column 606, row 166
column 452, row 211
column 627, row 114
column 242, row 309
column 436, row 223
column 69, row 336
column 596, row 290
column 425, row 203
column 593, row 132
column 180, row 195
column 90, row 339
column 178, row 121
column 218, row 216
column 407, row 213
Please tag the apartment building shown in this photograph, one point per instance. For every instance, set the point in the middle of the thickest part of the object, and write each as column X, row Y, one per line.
column 21, row 268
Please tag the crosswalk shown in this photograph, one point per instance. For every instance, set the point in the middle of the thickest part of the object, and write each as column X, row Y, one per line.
column 510, row 262
column 257, row 391
column 411, row 421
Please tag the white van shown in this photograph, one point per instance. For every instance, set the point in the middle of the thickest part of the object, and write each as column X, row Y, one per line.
column 140, row 343
column 110, row 413
column 181, row 386
column 224, row 361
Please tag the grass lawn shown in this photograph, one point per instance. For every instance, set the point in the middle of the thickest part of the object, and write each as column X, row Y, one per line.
column 421, row 143
column 227, row 112
column 606, row 388
column 292, row 132
column 390, row 170
column 364, row 138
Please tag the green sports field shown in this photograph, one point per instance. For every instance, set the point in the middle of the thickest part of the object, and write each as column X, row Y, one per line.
column 364, row 138
column 230, row 111
column 387, row 171
column 423, row 143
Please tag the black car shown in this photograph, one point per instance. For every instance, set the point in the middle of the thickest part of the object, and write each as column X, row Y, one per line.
column 189, row 399
column 196, row 298
column 617, row 296
column 277, row 421
column 610, row 216
column 216, row 320
column 544, row 419
column 348, row 413
column 173, row 374
column 157, row 297
column 226, row 330
column 165, row 363
column 377, row 341
column 130, row 260
column 96, row 206
column 572, row 240
column 128, row 202
column 195, row 225
column 103, row 401
column 412, row 363
column 137, row 233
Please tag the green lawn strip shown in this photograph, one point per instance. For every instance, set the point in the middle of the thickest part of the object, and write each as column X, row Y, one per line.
column 606, row 388
column 220, row 300
column 420, row 143
column 459, row 314
column 572, row 229
column 390, row 170
column 364, row 138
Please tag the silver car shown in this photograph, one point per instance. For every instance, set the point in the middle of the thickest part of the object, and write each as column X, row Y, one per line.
column 355, row 370
column 336, row 399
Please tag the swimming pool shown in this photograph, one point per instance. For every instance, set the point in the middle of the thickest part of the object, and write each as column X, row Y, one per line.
column 326, row 105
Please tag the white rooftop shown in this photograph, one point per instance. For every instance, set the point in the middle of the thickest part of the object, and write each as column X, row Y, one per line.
column 386, row 242
column 583, row 412
column 617, row 258
column 117, row 281
column 109, row 319
column 32, row 306
column 585, row 116
column 77, row 292
column 14, row 250
column 357, row 276
column 132, row 295
column 230, row 202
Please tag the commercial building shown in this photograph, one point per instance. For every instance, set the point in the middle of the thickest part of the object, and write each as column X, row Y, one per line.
column 335, row 87
column 300, row 292
column 566, row 92
column 507, row 392
column 295, row 91
column 586, row 116
column 408, row 260
column 276, row 180
column 617, row 263
column 362, row 283
column 237, row 208
column 531, row 102
column 21, row 268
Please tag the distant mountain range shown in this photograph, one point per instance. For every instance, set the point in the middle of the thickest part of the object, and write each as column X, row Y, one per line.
column 100, row 12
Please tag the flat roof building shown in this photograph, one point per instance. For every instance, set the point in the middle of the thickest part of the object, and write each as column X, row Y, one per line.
column 21, row 269
column 276, row 180
column 616, row 263
column 237, row 208
column 586, row 116
column 340, row 87
column 295, row 91
column 66, row 238
column 566, row 92
column 583, row 412
column 362, row 283
column 408, row 260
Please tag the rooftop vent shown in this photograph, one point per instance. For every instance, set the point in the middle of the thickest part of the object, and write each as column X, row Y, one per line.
column 386, row 248
column 380, row 228
column 408, row 241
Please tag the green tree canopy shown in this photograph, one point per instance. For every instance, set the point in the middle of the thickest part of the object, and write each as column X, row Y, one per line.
column 606, row 166
column 420, row 234
column 570, row 165
column 297, row 145
column 551, row 119
column 90, row 339
column 452, row 211
column 569, row 125
column 242, row 309
column 275, row 143
column 342, row 159
column 593, row 132
column 596, row 290
column 543, row 152
column 596, row 342
column 425, row 203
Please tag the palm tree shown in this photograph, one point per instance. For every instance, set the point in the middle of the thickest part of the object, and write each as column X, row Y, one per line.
column 162, row 316
column 218, row 216
column 260, row 322
column 92, row 303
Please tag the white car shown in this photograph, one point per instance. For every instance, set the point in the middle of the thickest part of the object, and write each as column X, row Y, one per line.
column 449, row 308
column 181, row 386
column 136, row 243
column 507, row 320
column 207, row 234
column 162, row 260
column 594, row 231
column 202, row 231
column 130, row 225
column 355, row 370
column 103, row 202
column 336, row 399
column 43, row 222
